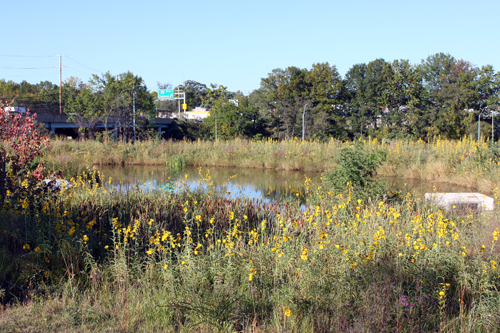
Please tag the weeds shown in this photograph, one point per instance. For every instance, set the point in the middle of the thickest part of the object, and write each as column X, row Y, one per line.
column 176, row 163
column 357, row 169
column 94, row 259
column 464, row 162
column 196, row 261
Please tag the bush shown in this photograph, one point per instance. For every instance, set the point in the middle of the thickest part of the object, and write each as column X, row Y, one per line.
column 356, row 172
column 20, row 146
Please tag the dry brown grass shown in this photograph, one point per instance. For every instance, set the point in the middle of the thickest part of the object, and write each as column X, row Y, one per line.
column 387, row 170
column 436, row 171
column 485, row 235
column 441, row 161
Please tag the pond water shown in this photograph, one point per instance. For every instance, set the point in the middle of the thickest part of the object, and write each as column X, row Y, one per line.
column 270, row 185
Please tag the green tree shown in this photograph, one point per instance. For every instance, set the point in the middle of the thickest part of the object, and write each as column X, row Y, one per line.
column 287, row 91
column 109, row 93
column 224, row 116
column 356, row 108
column 487, row 86
column 195, row 92
column 405, row 97
column 325, row 87
column 251, row 121
column 451, row 86
column 136, row 96
column 84, row 110
column 112, row 97
column 368, row 92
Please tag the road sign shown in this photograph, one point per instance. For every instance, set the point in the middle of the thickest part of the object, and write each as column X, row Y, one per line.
column 184, row 106
column 166, row 93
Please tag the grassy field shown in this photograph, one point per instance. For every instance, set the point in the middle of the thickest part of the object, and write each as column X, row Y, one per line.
column 465, row 162
column 193, row 261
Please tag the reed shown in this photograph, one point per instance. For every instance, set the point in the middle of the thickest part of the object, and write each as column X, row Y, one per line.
column 463, row 162
column 196, row 261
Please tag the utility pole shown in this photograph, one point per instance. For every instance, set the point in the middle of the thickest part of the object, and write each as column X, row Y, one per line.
column 493, row 114
column 134, row 115
column 60, row 80
column 492, row 128
column 303, row 123
column 479, row 128
column 178, row 95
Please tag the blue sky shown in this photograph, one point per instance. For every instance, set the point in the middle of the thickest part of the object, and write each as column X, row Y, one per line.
column 236, row 43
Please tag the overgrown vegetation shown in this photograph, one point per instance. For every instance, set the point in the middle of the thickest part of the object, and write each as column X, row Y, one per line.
column 357, row 169
column 176, row 163
column 90, row 258
column 463, row 162
column 193, row 260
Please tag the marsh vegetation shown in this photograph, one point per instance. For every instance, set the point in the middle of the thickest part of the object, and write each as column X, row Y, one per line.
column 93, row 258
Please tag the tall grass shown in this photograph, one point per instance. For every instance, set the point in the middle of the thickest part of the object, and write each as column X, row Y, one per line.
column 464, row 162
column 197, row 261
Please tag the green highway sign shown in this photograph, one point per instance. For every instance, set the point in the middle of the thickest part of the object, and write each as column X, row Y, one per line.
column 166, row 93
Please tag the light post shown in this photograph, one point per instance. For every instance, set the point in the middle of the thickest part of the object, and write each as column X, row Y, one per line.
column 303, row 123
column 134, row 114
column 479, row 128
column 493, row 114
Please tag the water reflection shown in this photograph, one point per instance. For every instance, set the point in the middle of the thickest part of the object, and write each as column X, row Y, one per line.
column 424, row 186
column 251, row 183
column 270, row 185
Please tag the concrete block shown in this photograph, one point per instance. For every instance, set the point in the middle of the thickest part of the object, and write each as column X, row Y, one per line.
column 462, row 201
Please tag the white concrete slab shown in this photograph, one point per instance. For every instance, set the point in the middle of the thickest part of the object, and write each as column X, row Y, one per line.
column 472, row 201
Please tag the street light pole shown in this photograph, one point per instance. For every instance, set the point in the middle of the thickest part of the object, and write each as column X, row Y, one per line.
column 492, row 128
column 303, row 123
column 479, row 128
column 134, row 114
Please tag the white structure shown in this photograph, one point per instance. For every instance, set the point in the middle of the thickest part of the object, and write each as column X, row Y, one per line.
column 56, row 184
column 15, row 109
column 198, row 114
column 472, row 201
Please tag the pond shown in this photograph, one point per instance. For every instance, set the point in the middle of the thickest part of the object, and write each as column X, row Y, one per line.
column 269, row 185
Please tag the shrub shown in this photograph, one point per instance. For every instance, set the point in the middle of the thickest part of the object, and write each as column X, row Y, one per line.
column 356, row 170
column 19, row 148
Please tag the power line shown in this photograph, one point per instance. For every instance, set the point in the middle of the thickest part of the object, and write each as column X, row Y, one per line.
column 78, row 70
column 23, row 56
column 23, row 75
column 44, row 56
column 84, row 65
column 25, row 67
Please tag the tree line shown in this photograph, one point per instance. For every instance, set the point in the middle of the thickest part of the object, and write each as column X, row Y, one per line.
column 103, row 98
column 440, row 96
